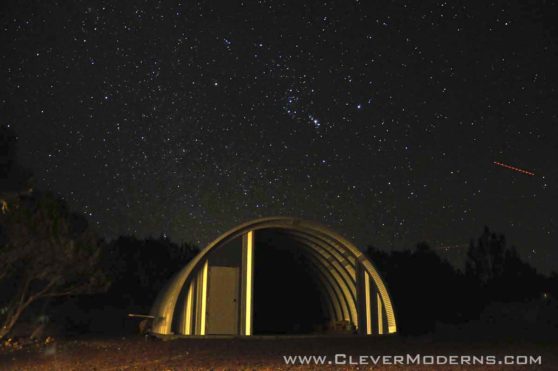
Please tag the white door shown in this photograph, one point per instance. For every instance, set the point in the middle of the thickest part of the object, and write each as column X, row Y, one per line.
column 222, row 301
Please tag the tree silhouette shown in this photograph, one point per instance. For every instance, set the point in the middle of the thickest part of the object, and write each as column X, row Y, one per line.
column 500, row 271
column 45, row 251
column 485, row 259
column 427, row 290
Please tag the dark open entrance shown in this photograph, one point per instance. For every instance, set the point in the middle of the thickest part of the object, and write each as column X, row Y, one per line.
column 287, row 299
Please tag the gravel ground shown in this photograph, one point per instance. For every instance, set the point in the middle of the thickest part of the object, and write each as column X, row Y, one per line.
column 253, row 354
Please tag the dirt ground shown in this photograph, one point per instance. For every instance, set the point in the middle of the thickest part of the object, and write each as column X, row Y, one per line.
column 140, row 353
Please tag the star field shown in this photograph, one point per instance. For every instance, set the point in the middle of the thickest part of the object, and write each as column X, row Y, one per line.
column 380, row 120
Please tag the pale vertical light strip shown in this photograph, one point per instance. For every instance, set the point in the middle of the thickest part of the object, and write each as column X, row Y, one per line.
column 204, row 298
column 380, row 315
column 249, row 248
column 368, row 309
column 189, row 310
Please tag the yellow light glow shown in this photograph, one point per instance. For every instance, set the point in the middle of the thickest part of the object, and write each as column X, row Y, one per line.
column 249, row 248
column 380, row 315
column 204, row 298
column 367, row 298
column 189, row 310
column 5, row 207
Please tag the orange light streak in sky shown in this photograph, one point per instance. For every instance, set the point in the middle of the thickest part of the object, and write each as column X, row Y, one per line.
column 514, row 168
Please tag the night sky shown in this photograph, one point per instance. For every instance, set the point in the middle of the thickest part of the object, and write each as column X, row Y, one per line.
column 380, row 119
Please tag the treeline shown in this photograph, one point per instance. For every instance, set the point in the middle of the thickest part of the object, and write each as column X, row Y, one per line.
column 56, row 273
column 497, row 294
column 137, row 269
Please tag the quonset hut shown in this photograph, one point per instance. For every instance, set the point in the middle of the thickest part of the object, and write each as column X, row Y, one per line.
column 214, row 293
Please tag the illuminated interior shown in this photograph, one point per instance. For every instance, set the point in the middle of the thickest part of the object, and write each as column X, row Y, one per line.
column 218, row 292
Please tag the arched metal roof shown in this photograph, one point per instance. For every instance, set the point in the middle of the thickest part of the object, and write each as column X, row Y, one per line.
column 331, row 256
